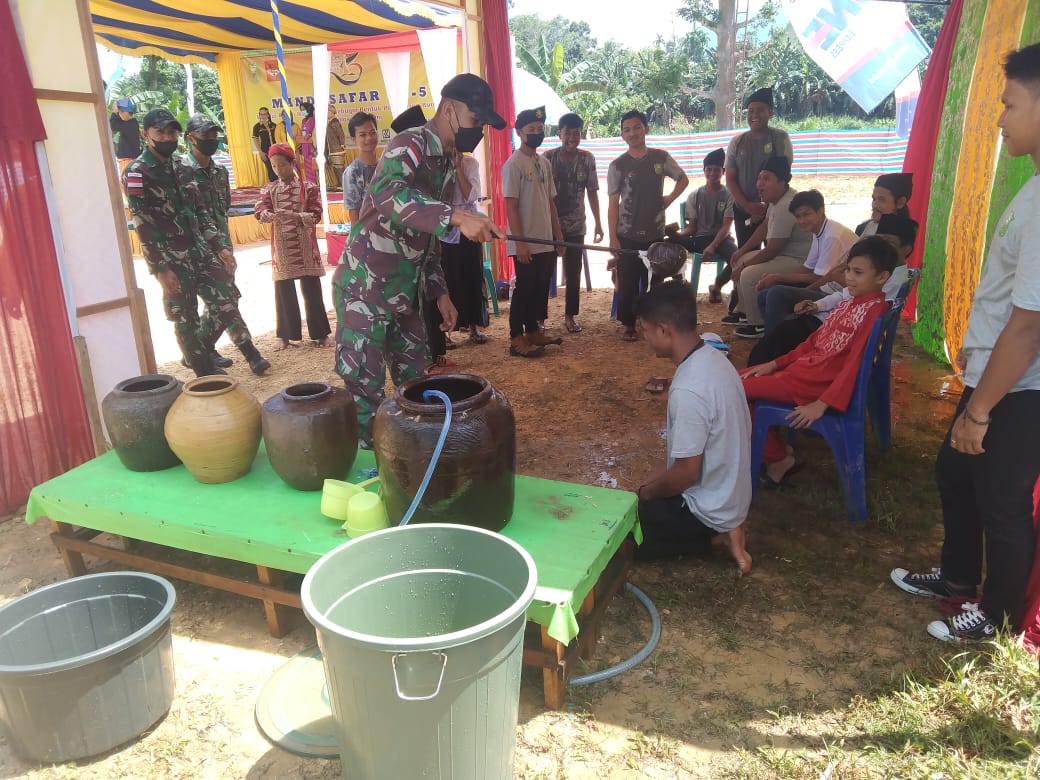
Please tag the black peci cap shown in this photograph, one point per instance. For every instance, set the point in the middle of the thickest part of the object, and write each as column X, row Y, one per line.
column 764, row 95
column 778, row 166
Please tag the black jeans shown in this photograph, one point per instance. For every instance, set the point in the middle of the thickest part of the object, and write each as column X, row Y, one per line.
column 631, row 272
column 572, row 266
column 287, row 309
column 783, row 338
column 741, row 228
column 530, row 293
column 987, row 503
column 670, row 529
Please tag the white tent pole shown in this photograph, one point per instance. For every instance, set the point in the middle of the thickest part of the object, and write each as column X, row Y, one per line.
column 320, row 68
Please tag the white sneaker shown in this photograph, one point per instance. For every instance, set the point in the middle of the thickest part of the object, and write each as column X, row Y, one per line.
column 970, row 624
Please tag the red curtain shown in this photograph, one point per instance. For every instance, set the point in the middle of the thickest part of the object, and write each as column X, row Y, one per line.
column 44, row 429
column 920, row 149
column 498, row 70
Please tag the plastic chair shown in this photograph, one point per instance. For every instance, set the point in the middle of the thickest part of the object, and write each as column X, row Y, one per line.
column 489, row 281
column 879, row 395
column 695, row 272
column 845, row 433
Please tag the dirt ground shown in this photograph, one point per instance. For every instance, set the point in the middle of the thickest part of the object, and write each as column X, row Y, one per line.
column 815, row 624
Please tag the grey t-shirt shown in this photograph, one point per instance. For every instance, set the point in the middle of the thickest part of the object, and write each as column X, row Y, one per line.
column 708, row 415
column 355, row 181
column 530, row 181
column 639, row 181
column 1010, row 278
column 709, row 209
column 746, row 154
column 573, row 178
column 780, row 224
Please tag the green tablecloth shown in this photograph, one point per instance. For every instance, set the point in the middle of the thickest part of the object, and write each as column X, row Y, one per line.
column 570, row 530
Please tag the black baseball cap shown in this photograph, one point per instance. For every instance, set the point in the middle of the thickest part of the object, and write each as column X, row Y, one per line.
column 160, row 118
column 476, row 94
column 201, row 123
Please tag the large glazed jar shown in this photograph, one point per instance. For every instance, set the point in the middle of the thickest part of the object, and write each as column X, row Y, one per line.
column 134, row 414
column 473, row 481
column 214, row 427
column 311, row 434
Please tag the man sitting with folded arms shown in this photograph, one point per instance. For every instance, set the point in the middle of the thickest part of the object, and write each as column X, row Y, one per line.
column 831, row 242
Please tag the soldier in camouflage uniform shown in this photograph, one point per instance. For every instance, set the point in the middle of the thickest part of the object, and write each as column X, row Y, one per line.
column 183, row 247
column 212, row 178
column 391, row 259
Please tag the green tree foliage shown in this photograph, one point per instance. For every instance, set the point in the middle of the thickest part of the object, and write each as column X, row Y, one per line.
column 575, row 38
column 696, row 82
column 164, row 83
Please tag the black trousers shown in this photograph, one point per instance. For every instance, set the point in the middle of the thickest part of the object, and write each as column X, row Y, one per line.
column 670, row 529
column 724, row 250
column 572, row 265
column 741, row 228
column 631, row 272
column 782, row 339
column 987, row 504
column 435, row 337
column 287, row 309
column 271, row 175
column 531, row 292
column 463, row 265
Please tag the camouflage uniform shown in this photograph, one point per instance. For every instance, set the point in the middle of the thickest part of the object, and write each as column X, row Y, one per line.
column 389, row 264
column 215, row 188
column 177, row 233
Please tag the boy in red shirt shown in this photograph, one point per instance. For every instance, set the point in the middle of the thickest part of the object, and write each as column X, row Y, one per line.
column 820, row 373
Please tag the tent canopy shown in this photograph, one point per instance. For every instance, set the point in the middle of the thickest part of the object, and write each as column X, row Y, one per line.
column 199, row 30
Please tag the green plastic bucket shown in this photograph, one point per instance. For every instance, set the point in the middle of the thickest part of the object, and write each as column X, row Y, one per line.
column 421, row 630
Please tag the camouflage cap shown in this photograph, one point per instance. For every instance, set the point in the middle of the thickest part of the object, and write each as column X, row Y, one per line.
column 201, row 123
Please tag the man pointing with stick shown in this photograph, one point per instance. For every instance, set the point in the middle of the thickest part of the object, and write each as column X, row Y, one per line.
column 391, row 262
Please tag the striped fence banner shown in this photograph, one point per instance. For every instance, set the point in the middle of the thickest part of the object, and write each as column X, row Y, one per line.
column 816, row 152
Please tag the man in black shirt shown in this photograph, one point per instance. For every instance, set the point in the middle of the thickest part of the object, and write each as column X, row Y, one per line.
column 124, row 124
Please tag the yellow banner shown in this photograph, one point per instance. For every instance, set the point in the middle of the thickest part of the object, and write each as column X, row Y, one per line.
column 356, row 84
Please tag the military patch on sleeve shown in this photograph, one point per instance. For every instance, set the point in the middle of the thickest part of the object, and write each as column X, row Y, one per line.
column 134, row 183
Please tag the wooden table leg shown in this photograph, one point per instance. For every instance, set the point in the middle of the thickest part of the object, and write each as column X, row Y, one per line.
column 554, row 679
column 277, row 614
column 74, row 564
column 589, row 636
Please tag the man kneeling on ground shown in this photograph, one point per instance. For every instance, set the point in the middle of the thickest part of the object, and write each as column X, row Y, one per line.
column 705, row 487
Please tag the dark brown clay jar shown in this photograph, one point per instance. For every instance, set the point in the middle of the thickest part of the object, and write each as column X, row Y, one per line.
column 214, row 427
column 473, row 481
column 311, row 434
column 134, row 414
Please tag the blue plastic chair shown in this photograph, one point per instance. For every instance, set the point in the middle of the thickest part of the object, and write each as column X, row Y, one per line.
column 845, row 433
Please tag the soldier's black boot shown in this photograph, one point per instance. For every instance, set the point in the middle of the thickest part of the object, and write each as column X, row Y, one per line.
column 202, row 365
column 258, row 364
column 218, row 360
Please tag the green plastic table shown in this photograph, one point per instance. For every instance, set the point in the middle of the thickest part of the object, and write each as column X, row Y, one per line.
column 575, row 533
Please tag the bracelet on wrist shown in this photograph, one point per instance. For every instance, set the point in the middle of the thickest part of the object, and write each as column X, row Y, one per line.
column 973, row 419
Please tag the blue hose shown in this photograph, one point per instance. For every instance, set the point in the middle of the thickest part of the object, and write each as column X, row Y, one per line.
column 624, row 666
column 427, row 395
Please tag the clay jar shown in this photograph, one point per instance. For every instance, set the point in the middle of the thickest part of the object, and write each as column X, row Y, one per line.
column 135, row 413
column 214, row 427
column 311, row 434
column 473, row 481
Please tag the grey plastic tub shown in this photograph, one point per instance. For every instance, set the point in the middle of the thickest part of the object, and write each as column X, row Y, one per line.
column 421, row 631
column 85, row 664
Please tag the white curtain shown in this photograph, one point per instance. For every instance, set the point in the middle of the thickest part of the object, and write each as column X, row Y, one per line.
column 440, row 51
column 395, row 68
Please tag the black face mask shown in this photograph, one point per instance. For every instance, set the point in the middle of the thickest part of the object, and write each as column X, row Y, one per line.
column 468, row 138
column 164, row 148
column 534, row 140
column 207, row 146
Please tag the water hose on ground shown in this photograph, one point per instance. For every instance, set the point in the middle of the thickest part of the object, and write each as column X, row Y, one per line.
column 655, row 618
column 624, row 666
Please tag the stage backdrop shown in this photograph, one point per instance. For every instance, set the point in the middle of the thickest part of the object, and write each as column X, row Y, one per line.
column 356, row 84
